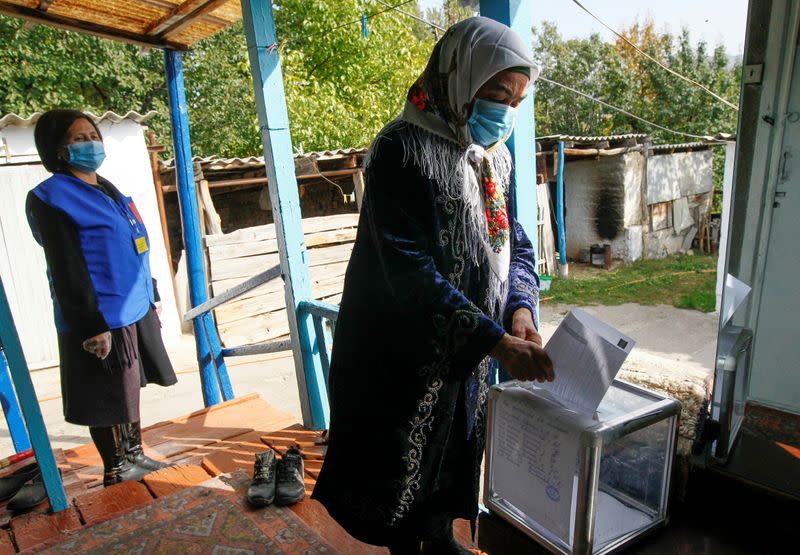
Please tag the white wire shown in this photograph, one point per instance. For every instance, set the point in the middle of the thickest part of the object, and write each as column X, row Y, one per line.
column 652, row 59
column 576, row 91
column 621, row 110
column 395, row 8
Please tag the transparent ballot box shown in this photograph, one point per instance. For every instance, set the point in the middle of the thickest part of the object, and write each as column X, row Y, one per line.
column 574, row 483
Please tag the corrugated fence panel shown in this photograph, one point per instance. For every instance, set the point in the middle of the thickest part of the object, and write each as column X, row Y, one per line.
column 23, row 267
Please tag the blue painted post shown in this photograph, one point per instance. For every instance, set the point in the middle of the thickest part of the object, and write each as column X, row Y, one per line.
column 262, row 47
column 563, row 267
column 8, row 398
column 518, row 14
column 213, row 372
column 9, row 339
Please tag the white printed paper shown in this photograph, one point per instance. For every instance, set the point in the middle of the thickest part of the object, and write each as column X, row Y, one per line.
column 534, row 454
column 586, row 355
column 735, row 293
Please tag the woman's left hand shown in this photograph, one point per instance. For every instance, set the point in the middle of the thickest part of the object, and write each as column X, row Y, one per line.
column 522, row 326
column 158, row 308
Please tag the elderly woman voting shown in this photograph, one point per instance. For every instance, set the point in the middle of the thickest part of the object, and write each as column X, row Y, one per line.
column 441, row 279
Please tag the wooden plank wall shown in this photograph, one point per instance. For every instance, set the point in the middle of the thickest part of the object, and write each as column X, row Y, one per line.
column 260, row 314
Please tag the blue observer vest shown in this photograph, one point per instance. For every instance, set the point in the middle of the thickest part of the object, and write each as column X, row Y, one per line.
column 108, row 231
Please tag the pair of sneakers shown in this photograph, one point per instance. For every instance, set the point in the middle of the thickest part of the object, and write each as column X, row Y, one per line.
column 277, row 481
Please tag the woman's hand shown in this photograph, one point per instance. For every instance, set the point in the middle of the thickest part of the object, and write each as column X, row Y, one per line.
column 522, row 326
column 525, row 360
column 100, row 345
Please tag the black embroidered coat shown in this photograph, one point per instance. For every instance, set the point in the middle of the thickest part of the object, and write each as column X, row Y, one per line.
column 409, row 372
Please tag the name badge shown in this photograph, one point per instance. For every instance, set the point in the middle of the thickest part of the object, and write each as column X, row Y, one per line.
column 141, row 245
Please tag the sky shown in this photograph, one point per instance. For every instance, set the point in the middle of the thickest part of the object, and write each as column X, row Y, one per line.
column 715, row 21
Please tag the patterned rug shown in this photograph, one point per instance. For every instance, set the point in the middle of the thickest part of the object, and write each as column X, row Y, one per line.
column 212, row 518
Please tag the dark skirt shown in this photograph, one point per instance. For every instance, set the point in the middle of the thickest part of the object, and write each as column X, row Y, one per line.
column 154, row 364
column 104, row 393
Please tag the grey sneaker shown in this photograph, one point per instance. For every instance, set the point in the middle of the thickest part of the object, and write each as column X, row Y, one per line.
column 290, row 483
column 262, row 490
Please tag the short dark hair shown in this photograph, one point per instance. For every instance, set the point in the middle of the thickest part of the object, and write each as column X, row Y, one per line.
column 50, row 135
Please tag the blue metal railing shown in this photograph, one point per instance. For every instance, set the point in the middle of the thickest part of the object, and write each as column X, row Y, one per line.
column 321, row 312
column 29, row 406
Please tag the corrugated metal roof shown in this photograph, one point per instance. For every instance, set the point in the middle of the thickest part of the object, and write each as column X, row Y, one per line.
column 19, row 121
column 161, row 23
column 217, row 163
column 682, row 146
column 592, row 139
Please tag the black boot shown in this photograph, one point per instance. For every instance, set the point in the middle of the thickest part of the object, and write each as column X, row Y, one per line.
column 133, row 441
column 445, row 543
column 110, row 442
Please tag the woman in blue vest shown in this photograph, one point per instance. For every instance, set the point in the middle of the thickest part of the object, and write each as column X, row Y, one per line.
column 104, row 297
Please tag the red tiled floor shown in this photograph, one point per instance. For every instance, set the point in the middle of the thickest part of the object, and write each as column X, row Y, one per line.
column 175, row 478
column 211, row 441
column 32, row 529
column 101, row 504
column 306, row 440
column 6, row 545
column 239, row 449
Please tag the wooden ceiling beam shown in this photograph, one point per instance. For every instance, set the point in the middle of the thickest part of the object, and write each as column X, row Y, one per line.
column 182, row 16
column 169, row 6
column 35, row 16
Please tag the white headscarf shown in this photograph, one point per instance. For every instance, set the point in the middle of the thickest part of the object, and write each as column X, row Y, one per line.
column 438, row 105
column 469, row 54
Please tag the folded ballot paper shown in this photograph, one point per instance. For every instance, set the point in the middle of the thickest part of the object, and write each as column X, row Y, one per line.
column 586, row 355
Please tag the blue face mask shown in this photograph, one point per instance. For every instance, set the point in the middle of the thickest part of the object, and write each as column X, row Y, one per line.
column 87, row 155
column 490, row 121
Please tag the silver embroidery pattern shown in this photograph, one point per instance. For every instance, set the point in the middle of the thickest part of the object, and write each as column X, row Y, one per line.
column 457, row 327
column 533, row 295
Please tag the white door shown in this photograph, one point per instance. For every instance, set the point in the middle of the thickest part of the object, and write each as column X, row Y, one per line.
column 775, row 374
column 23, row 267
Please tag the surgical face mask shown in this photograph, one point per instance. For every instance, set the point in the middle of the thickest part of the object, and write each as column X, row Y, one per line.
column 490, row 121
column 87, row 155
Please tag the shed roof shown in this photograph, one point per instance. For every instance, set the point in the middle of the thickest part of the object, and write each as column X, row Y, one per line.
column 589, row 139
column 15, row 120
column 682, row 147
column 174, row 24
column 215, row 163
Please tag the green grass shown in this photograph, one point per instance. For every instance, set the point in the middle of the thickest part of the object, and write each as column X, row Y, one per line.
column 681, row 281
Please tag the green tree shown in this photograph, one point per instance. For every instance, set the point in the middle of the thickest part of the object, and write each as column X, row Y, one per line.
column 43, row 67
column 614, row 72
column 341, row 88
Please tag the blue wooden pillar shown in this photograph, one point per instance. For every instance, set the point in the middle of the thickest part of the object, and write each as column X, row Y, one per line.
column 563, row 267
column 518, row 15
column 8, row 398
column 262, row 47
column 29, row 404
column 213, row 372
